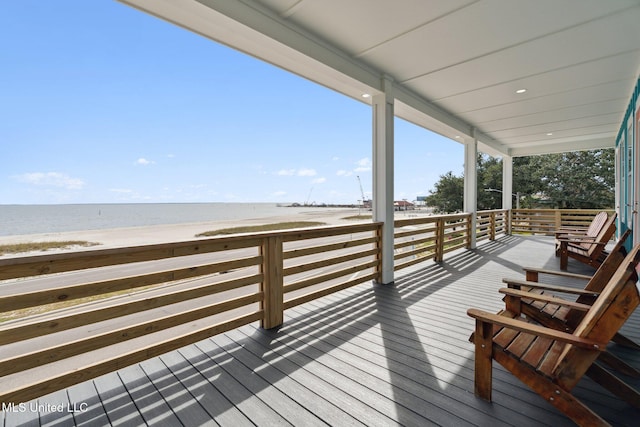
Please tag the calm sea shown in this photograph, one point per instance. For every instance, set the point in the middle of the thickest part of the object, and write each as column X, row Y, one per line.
column 34, row 219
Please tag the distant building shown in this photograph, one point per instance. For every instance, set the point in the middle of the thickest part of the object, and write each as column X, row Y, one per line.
column 421, row 201
column 403, row 205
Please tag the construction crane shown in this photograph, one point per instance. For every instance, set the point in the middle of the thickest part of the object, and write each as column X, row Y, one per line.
column 306, row 203
column 366, row 203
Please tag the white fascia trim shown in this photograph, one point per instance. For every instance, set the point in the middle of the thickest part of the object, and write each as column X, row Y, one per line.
column 264, row 21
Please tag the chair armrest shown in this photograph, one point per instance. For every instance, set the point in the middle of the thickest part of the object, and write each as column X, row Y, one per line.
column 545, row 298
column 517, row 284
column 556, row 273
column 577, row 239
column 541, row 331
column 565, row 230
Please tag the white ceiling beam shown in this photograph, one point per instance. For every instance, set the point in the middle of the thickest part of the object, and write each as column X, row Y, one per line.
column 587, row 144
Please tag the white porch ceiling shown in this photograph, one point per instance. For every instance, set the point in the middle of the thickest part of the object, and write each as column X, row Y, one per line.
column 456, row 64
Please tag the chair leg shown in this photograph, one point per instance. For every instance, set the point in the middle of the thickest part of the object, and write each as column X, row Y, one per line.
column 483, row 338
column 618, row 338
column 567, row 403
column 564, row 256
column 614, row 384
column 618, row 364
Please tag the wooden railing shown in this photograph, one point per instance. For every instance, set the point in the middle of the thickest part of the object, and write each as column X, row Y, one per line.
column 545, row 221
column 490, row 224
column 143, row 301
column 130, row 304
column 421, row 239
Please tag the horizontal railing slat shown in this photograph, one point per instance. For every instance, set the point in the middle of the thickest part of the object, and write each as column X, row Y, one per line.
column 327, row 291
column 17, row 331
column 422, row 250
column 58, row 263
column 66, row 293
column 414, row 242
column 296, row 253
column 302, row 268
column 317, row 232
column 82, row 373
column 40, row 357
column 294, row 286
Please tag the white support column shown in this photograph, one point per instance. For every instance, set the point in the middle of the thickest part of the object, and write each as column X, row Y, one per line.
column 507, row 182
column 470, row 184
column 383, row 174
column 507, row 189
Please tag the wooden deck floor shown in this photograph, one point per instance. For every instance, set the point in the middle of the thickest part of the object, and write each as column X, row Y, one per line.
column 371, row 355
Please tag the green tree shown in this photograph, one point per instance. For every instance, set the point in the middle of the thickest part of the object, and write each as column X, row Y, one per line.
column 489, row 174
column 580, row 179
column 447, row 196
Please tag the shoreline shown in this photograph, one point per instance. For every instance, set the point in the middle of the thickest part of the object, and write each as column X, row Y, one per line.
column 167, row 233
column 163, row 233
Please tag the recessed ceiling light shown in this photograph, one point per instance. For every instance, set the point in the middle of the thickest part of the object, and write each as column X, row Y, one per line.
column 366, row 95
column 550, row 133
column 521, row 91
column 457, row 136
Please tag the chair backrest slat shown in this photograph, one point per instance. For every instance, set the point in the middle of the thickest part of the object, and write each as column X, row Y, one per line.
column 606, row 316
column 596, row 224
column 606, row 233
column 610, row 265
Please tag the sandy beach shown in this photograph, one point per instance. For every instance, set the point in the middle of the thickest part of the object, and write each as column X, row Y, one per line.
column 133, row 236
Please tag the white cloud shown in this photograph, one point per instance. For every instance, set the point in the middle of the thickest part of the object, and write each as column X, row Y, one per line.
column 343, row 172
column 364, row 165
column 121, row 190
column 279, row 193
column 319, row 180
column 144, row 162
column 298, row 172
column 307, row 172
column 51, row 179
column 286, row 172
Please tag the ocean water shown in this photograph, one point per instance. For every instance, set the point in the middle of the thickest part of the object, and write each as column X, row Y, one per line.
column 34, row 219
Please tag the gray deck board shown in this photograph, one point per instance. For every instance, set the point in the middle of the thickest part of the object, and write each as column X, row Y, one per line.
column 289, row 409
column 85, row 405
column 186, row 365
column 185, row 407
column 369, row 355
column 153, row 408
column 117, row 402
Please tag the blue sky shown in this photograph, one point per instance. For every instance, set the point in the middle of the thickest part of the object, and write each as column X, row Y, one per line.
column 102, row 103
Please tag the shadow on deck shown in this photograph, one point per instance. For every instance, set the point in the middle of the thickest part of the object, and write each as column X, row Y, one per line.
column 370, row 355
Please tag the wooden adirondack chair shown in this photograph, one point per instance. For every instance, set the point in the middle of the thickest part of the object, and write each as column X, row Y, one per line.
column 587, row 249
column 566, row 317
column 552, row 362
column 592, row 230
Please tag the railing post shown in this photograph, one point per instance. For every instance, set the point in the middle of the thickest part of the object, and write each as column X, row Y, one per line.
column 470, row 229
column 379, row 237
column 508, row 219
column 558, row 219
column 439, row 240
column 492, row 226
column 273, row 282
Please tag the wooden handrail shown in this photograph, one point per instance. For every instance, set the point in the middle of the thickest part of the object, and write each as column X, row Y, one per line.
column 547, row 221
